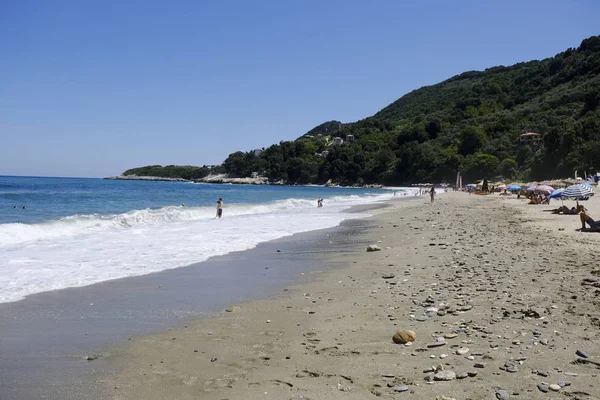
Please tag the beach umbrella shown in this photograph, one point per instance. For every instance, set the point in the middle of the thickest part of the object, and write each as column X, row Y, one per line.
column 578, row 192
column 556, row 194
column 530, row 188
column 544, row 188
column 470, row 185
column 514, row 188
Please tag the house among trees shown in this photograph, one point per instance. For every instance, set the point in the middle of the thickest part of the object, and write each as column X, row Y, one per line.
column 337, row 141
column 257, row 151
column 349, row 138
column 530, row 138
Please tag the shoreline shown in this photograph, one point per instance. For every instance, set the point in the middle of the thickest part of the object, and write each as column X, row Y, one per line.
column 331, row 338
column 223, row 180
column 95, row 317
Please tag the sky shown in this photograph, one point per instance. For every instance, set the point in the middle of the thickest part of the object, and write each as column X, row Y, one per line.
column 92, row 88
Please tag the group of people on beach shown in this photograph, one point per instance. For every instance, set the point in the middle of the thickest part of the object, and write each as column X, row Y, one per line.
column 538, row 198
column 320, row 203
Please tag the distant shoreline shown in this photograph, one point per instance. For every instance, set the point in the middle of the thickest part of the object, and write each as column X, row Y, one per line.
column 223, row 179
column 145, row 178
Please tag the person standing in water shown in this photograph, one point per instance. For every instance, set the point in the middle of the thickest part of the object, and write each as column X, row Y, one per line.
column 219, row 208
column 432, row 193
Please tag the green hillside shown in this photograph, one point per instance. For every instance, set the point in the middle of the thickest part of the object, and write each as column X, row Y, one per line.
column 470, row 122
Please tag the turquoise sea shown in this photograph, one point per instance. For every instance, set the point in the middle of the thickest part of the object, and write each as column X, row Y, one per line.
column 64, row 232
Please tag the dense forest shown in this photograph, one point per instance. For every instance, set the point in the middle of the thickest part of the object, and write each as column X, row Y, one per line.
column 470, row 123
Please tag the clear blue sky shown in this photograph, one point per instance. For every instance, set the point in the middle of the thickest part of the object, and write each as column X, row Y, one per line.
column 91, row 88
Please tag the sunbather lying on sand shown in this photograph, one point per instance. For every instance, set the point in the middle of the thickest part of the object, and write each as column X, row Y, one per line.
column 565, row 210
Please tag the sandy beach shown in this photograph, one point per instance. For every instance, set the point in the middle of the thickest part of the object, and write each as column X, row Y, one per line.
column 501, row 296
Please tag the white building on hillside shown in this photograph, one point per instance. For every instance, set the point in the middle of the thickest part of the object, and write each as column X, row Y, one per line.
column 337, row 141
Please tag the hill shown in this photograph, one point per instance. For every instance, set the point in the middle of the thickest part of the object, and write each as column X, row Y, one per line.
column 471, row 122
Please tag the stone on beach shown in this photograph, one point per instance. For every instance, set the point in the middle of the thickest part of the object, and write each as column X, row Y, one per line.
column 373, row 247
column 581, row 354
column 404, row 336
column 446, row 375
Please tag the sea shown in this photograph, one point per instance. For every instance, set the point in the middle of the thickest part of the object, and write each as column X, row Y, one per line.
column 57, row 233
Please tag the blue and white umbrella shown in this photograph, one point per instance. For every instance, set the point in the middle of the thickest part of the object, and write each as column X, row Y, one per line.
column 577, row 192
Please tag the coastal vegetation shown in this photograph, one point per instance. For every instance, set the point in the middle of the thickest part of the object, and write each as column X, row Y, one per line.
column 471, row 123
column 174, row 171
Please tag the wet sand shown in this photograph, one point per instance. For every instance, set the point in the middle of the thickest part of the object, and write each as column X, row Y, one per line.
column 45, row 338
column 500, row 294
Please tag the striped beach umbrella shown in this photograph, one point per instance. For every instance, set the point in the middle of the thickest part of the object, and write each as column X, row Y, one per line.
column 578, row 192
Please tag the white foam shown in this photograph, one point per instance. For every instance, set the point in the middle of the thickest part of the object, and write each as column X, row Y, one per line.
column 82, row 250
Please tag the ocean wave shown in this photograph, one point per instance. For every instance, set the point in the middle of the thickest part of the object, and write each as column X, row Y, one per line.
column 75, row 225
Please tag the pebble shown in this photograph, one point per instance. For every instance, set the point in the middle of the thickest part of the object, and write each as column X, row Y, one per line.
column 479, row 365
column 421, row 318
column 512, row 368
column 580, row 353
column 436, row 344
column 472, row 373
column 404, row 336
column 401, row 389
column 502, row 394
column 388, row 276
column 543, row 387
column 444, row 376
column 462, row 375
column 450, row 335
column 462, row 351
column 554, row 387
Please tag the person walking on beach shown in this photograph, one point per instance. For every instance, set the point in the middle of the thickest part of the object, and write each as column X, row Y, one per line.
column 219, row 208
column 432, row 193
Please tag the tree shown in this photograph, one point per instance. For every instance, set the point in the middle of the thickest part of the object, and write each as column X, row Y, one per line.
column 508, row 168
column 480, row 165
column 472, row 139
